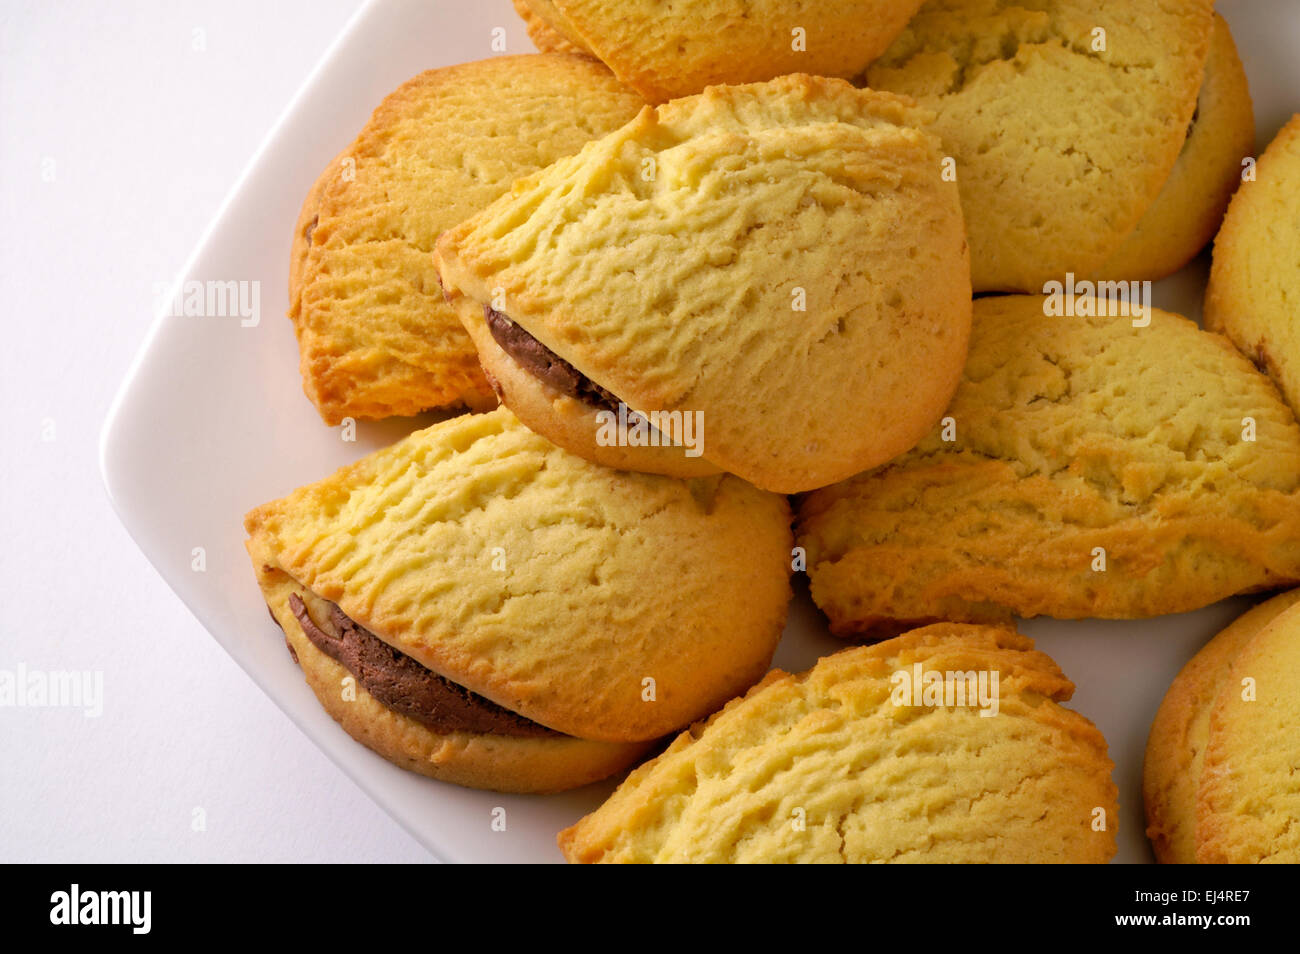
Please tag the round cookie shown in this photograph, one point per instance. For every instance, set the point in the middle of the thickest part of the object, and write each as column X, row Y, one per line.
column 1255, row 278
column 600, row 604
column 1175, row 753
column 666, row 51
column 780, row 264
column 848, row 763
column 1190, row 207
column 503, row 763
column 1088, row 466
column 1248, row 800
column 1060, row 146
column 374, row 335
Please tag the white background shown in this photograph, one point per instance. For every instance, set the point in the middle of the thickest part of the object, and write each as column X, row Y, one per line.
column 149, row 112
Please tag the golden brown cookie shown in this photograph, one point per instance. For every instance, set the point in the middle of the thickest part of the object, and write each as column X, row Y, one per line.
column 376, row 338
column 780, row 266
column 1180, row 734
column 530, row 763
column 1065, row 119
column 1190, row 206
column 1248, row 799
column 1113, row 467
column 666, row 50
column 873, row 756
column 543, row 35
column 1255, row 280
column 552, row 594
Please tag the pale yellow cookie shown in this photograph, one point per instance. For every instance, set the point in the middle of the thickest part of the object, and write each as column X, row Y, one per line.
column 1064, row 117
column 1175, row 754
column 375, row 337
column 605, row 605
column 840, row 764
column 487, row 760
column 1086, row 468
column 1190, row 207
column 667, row 50
column 1248, row 800
column 1254, row 291
column 545, row 37
column 781, row 263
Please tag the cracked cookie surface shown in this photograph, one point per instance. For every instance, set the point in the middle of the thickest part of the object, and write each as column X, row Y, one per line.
column 546, row 584
column 375, row 337
column 1160, row 445
column 825, row 767
column 782, row 260
column 1060, row 147
column 669, row 50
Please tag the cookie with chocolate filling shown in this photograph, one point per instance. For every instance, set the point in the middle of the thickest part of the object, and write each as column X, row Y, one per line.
column 769, row 280
column 375, row 337
column 480, row 606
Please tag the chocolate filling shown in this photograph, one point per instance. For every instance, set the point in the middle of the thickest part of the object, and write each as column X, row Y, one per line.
column 406, row 687
column 544, row 364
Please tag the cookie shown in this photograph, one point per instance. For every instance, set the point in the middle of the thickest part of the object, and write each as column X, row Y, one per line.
column 852, row 762
column 1190, row 207
column 773, row 275
column 1086, row 468
column 665, row 51
column 544, row 37
column 375, row 337
column 1248, row 799
column 1065, row 119
column 1255, row 278
column 1180, row 734
column 478, row 579
column 459, row 753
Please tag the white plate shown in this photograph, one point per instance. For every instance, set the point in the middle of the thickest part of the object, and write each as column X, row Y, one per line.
column 211, row 421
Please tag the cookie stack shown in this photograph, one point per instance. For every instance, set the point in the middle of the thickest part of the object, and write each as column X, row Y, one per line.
column 694, row 258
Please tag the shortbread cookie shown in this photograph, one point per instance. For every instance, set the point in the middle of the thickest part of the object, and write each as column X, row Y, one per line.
column 1248, row 800
column 848, row 762
column 1190, row 207
column 376, row 338
column 1255, row 281
column 479, row 573
column 447, row 742
column 543, row 35
column 1086, row 468
column 670, row 50
column 1060, row 146
column 1180, row 734
column 780, row 264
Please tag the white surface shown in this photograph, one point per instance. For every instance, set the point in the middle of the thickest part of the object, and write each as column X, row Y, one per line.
column 148, row 135
column 147, row 132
